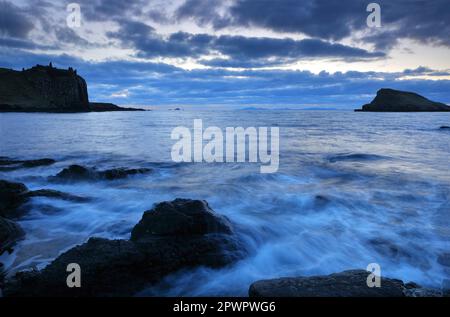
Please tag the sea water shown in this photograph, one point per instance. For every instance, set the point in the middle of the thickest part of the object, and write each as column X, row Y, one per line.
column 351, row 189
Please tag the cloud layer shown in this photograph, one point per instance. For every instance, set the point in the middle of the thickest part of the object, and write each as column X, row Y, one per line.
column 233, row 51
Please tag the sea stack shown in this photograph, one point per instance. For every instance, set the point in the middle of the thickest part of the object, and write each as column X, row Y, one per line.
column 390, row 100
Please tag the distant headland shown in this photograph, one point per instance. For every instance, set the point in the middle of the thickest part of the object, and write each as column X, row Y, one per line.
column 48, row 89
column 390, row 100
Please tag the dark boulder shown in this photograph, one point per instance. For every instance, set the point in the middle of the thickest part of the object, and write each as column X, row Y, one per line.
column 444, row 127
column 12, row 196
column 390, row 100
column 40, row 162
column 7, row 164
column 351, row 283
column 75, row 172
column 10, row 232
column 78, row 172
column 50, row 193
column 124, row 267
column 118, row 173
column 181, row 217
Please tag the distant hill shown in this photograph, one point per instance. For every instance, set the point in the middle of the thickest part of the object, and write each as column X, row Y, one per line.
column 47, row 89
column 390, row 100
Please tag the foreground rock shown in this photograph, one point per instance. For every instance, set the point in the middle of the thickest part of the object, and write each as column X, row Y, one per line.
column 45, row 89
column 14, row 195
column 10, row 232
column 390, row 100
column 78, row 172
column 7, row 164
column 172, row 236
column 351, row 283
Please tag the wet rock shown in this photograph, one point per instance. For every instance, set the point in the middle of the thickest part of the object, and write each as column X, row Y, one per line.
column 74, row 172
column 160, row 245
column 10, row 232
column 444, row 127
column 40, row 162
column 351, row 283
column 181, row 217
column 7, row 164
column 12, row 195
column 78, row 172
column 50, row 193
column 118, row 173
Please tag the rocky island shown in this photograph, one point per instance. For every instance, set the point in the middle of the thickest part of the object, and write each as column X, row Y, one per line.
column 47, row 89
column 390, row 100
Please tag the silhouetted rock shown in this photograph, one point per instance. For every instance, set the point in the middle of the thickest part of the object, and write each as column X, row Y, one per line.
column 10, row 232
column 7, row 164
column 179, row 218
column 351, row 283
column 121, row 267
column 390, row 100
column 444, row 127
column 12, row 196
column 117, row 173
column 47, row 89
column 42, row 88
column 102, row 107
column 40, row 162
column 50, row 193
column 78, row 173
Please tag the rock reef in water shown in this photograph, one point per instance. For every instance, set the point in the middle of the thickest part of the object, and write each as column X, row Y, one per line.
column 10, row 233
column 390, row 100
column 13, row 197
column 173, row 235
column 47, row 89
column 352, row 283
column 79, row 173
column 8, row 164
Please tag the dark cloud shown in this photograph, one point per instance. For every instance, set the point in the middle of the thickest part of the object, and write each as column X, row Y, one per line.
column 105, row 10
column 14, row 22
column 182, row 44
column 422, row 20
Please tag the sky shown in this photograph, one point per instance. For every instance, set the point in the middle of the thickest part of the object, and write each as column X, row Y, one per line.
column 235, row 53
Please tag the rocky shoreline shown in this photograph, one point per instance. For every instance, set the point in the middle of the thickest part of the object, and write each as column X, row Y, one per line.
column 172, row 236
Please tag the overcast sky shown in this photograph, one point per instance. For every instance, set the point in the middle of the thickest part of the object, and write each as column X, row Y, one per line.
column 281, row 53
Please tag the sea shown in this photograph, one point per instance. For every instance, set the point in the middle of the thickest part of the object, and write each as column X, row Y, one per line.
column 352, row 188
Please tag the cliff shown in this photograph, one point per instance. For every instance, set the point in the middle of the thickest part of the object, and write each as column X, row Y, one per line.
column 46, row 89
column 390, row 100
